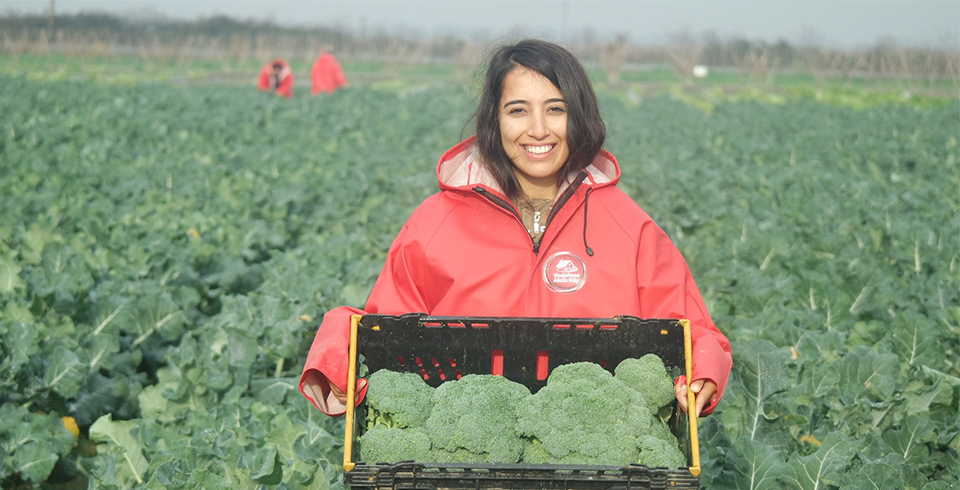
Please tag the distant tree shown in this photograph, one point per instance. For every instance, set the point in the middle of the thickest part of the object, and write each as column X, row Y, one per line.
column 684, row 54
column 755, row 64
column 613, row 56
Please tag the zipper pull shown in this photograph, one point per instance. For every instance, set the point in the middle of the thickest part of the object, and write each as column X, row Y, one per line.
column 536, row 223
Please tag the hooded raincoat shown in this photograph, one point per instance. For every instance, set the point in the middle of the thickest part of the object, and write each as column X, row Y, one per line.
column 326, row 75
column 465, row 252
column 281, row 84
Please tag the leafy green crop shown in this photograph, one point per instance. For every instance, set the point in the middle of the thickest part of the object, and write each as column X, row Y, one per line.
column 166, row 254
column 825, row 242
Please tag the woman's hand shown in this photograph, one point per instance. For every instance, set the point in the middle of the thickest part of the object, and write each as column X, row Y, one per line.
column 704, row 390
column 338, row 394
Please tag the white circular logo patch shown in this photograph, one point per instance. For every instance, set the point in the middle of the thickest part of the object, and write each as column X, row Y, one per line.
column 564, row 272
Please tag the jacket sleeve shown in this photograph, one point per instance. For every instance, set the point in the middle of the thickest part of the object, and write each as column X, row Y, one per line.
column 400, row 287
column 341, row 79
column 395, row 292
column 667, row 290
column 327, row 362
column 286, row 86
column 263, row 83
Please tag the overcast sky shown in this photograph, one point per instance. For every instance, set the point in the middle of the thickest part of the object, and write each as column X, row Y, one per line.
column 842, row 23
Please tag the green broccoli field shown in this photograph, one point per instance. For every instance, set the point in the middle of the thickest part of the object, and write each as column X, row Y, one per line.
column 166, row 254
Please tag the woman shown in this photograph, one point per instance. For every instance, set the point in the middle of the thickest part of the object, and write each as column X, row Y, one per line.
column 529, row 223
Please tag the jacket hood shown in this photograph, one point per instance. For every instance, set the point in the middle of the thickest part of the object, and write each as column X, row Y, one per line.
column 285, row 71
column 460, row 168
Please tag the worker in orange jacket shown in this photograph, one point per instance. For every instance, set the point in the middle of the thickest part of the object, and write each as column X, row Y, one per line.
column 277, row 77
column 326, row 74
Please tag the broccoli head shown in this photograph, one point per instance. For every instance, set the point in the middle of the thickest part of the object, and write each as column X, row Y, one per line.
column 474, row 419
column 584, row 416
column 397, row 399
column 649, row 376
column 656, row 451
column 383, row 444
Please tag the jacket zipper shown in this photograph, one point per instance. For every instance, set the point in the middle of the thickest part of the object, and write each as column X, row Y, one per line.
column 567, row 194
column 503, row 203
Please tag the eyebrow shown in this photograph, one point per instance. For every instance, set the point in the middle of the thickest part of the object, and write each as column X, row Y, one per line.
column 521, row 101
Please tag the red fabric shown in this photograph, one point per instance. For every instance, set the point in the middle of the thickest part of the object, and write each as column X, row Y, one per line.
column 461, row 255
column 267, row 82
column 326, row 75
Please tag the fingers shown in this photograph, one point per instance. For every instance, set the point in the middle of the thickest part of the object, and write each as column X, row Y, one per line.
column 680, row 390
column 338, row 393
column 696, row 386
column 705, row 392
column 342, row 395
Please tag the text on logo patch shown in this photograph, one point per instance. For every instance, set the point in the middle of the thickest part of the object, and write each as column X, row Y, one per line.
column 564, row 272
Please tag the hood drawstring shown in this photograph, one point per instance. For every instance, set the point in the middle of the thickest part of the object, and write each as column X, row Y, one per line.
column 585, row 201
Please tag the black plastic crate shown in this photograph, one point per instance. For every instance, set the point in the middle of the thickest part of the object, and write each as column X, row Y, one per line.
column 523, row 350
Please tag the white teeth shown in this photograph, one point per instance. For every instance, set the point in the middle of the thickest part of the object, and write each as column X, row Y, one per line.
column 538, row 149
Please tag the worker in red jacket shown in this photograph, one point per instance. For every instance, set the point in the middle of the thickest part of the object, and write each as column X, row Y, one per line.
column 277, row 77
column 529, row 222
column 327, row 74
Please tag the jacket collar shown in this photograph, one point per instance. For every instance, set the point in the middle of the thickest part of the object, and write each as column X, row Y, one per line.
column 460, row 168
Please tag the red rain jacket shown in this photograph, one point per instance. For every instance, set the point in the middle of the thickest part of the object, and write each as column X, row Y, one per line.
column 465, row 252
column 326, row 75
column 267, row 81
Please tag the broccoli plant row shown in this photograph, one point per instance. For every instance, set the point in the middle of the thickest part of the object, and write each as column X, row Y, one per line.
column 584, row 415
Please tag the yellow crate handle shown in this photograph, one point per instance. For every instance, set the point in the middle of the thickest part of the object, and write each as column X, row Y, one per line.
column 348, row 464
column 691, row 399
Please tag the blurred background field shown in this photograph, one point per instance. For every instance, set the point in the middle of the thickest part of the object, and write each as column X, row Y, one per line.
column 223, row 50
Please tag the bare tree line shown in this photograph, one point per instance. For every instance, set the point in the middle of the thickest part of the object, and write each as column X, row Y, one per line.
column 759, row 62
column 227, row 40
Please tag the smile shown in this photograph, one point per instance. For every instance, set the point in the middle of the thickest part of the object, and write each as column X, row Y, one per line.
column 538, row 150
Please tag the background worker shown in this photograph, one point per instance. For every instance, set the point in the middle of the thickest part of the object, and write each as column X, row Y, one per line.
column 326, row 75
column 529, row 222
column 277, row 77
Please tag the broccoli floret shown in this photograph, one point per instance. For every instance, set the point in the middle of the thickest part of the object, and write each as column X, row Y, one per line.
column 535, row 453
column 383, row 444
column 584, row 416
column 474, row 419
column 661, row 430
column 655, row 451
column 397, row 399
column 457, row 456
column 649, row 376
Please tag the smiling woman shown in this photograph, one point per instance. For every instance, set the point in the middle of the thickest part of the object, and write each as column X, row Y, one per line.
column 508, row 234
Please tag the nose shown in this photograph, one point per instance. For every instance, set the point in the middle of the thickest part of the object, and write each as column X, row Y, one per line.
column 538, row 127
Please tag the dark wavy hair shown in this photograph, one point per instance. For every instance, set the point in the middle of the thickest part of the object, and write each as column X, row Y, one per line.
column 586, row 131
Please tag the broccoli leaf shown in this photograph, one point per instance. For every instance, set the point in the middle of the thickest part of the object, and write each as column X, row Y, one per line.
column 117, row 435
column 824, row 467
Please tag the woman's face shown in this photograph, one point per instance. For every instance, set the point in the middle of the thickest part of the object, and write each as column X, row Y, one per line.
column 533, row 130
